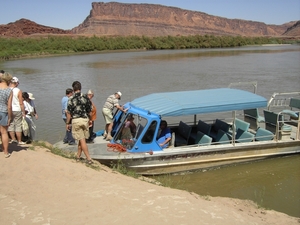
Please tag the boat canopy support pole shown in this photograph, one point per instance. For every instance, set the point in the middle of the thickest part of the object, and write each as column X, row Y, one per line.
column 253, row 83
column 233, row 127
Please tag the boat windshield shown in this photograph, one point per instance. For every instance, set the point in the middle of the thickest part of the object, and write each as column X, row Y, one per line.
column 129, row 130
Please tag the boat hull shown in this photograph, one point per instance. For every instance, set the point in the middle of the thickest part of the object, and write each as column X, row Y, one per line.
column 212, row 158
column 188, row 158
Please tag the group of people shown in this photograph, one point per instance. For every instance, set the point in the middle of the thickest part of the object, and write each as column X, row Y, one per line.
column 68, row 139
column 15, row 106
column 79, row 114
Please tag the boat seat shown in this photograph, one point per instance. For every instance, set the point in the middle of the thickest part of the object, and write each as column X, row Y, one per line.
column 271, row 122
column 252, row 116
column 243, row 136
column 242, row 125
column 202, row 139
column 218, row 125
column 263, row 135
column 295, row 103
column 172, row 141
column 222, row 138
column 203, row 128
column 183, row 134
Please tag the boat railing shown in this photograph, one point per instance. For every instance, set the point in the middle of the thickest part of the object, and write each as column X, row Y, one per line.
column 281, row 100
column 282, row 128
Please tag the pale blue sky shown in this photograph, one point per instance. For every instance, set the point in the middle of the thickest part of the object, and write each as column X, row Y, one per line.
column 67, row 14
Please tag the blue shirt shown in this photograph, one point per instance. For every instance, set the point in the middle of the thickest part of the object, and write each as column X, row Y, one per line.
column 164, row 135
column 64, row 104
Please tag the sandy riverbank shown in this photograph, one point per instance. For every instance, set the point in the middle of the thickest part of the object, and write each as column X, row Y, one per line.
column 38, row 187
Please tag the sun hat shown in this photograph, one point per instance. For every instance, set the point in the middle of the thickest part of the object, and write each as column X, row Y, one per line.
column 119, row 93
column 15, row 80
column 31, row 96
column 90, row 92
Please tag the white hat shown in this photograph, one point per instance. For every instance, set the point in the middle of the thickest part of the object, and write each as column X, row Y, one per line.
column 31, row 96
column 15, row 80
column 119, row 93
column 90, row 92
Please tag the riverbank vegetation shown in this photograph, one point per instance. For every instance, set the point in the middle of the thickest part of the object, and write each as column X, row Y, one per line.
column 12, row 48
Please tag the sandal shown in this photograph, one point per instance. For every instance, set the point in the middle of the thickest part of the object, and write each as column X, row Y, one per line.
column 89, row 162
column 79, row 159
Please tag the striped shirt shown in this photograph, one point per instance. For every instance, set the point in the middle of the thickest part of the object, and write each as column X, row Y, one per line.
column 111, row 102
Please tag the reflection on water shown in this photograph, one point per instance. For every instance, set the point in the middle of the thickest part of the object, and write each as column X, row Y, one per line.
column 216, row 53
column 273, row 184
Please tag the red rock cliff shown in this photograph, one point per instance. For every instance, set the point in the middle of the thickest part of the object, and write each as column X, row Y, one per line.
column 156, row 20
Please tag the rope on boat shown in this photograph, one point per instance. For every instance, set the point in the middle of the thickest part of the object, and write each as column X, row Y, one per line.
column 115, row 147
column 120, row 148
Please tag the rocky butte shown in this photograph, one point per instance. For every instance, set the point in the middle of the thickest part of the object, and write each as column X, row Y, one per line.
column 157, row 20
column 120, row 19
column 24, row 27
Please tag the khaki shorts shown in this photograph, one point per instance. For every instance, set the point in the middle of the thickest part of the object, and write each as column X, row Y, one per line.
column 108, row 116
column 80, row 128
column 16, row 124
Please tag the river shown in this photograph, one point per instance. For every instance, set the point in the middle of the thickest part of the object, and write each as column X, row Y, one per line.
column 274, row 184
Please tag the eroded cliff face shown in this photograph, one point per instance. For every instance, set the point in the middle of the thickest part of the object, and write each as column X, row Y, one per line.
column 156, row 20
column 118, row 19
column 293, row 31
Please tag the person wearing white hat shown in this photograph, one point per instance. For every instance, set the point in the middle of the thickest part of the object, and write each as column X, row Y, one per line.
column 30, row 113
column 111, row 102
column 33, row 105
column 15, row 128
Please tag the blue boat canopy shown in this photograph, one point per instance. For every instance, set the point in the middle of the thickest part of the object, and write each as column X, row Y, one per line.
column 199, row 101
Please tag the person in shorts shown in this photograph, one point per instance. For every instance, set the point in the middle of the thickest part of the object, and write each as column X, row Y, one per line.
column 79, row 109
column 5, row 110
column 15, row 128
column 111, row 102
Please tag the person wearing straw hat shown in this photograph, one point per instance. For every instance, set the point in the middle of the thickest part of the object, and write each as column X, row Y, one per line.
column 93, row 117
column 111, row 102
column 33, row 105
column 29, row 109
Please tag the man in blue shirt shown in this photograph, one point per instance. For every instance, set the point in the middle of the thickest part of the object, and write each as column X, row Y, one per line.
column 165, row 135
column 68, row 139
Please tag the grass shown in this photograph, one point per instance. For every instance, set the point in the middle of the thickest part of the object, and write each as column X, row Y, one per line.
column 121, row 168
column 65, row 154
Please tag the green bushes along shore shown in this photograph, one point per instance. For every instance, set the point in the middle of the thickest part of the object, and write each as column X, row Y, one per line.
column 12, row 48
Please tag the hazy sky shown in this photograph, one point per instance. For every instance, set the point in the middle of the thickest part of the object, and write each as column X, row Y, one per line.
column 67, row 14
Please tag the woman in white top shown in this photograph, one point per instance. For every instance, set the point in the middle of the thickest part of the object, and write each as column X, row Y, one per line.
column 15, row 128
